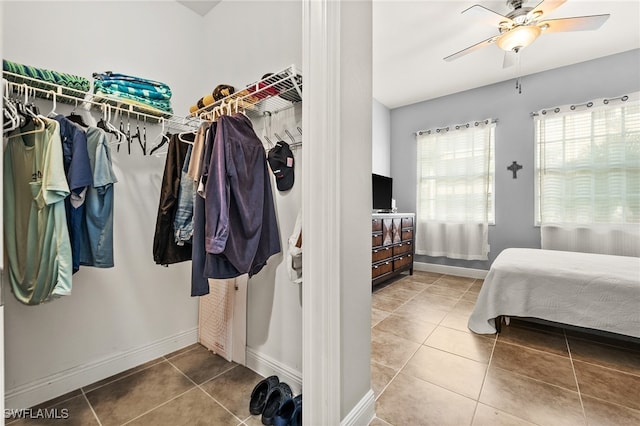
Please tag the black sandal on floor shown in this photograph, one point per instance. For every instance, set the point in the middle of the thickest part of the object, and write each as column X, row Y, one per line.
column 260, row 393
column 278, row 395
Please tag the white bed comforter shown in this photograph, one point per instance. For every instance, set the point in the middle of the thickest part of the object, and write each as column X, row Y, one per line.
column 582, row 289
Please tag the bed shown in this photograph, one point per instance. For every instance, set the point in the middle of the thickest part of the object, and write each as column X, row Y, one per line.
column 587, row 290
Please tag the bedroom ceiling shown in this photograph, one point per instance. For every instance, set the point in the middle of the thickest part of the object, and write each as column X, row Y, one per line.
column 411, row 38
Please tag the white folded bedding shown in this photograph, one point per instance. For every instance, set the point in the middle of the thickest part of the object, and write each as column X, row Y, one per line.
column 588, row 290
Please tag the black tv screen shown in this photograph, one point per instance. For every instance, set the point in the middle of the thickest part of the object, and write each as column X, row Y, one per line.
column 382, row 192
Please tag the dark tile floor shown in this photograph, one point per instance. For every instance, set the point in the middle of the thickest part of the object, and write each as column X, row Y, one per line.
column 427, row 368
column 189, row 387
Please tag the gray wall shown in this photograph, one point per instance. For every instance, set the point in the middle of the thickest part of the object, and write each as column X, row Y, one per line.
column 381, row 139
column 609, row 76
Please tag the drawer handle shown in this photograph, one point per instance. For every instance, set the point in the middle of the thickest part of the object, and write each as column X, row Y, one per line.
column 375, row 251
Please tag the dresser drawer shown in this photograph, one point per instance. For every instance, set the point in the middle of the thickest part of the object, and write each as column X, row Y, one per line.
column 376, row 225
column 376, row 240
column 387, row 232
column 405, row 260
column 397, row 234
column 407, row 222
column 381, row 269
column 381, row 254
column 402, row 248
column 407, row 234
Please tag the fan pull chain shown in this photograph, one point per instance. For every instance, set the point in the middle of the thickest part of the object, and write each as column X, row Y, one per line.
column 518, row 74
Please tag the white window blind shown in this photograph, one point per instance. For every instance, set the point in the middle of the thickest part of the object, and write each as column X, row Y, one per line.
column 455, row 187
column 588, row 176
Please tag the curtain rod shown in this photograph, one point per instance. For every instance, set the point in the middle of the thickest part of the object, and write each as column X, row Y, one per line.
column 456, row 126
column 573, row 107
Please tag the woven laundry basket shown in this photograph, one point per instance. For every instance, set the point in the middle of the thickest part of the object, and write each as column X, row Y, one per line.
column 215, row 318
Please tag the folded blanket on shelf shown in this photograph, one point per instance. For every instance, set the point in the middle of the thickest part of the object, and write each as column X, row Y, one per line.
column 133, row 90
column 108, row 75
column 138, row 106
column 162, row 105
column 48, row 77
column 137, row 89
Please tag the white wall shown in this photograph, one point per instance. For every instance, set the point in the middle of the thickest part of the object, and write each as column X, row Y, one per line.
column 355, row 203
column 381, row 139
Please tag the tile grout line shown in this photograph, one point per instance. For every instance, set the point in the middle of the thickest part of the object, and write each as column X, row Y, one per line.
column 84, row 395
column 160, row 360
column 575, row 377
column 157, row 406
column 170, row 399
column 421, row 344
column 199, row 386
column 484, row 379
column 195, row 385
column 409, row 359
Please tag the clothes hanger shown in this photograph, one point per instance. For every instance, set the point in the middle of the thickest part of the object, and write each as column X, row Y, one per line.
column 76, row 118
column 54, row 97
column 12, row 119
column 187, row 137
column 293, row 140
column 138, row 136
column 105, row 124
column 163, row 139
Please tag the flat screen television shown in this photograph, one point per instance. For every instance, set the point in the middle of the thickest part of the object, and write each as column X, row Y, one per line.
column 382, row 192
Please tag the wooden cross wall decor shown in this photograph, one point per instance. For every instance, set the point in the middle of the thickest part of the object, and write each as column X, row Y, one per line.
column 514, row 167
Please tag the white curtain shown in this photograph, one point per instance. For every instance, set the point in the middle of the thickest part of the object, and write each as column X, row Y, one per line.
column 455, row 191
column 588, row 176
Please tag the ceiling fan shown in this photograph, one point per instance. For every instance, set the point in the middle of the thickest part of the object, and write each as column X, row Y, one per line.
column 520, row 27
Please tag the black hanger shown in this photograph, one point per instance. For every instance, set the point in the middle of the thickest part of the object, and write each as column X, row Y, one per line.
column 138, row 136
column 103, row 125
column 161, row 144
column 76, row 118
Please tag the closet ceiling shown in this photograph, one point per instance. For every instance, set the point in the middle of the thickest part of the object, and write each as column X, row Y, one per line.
column 201, row 7
column 411, row 37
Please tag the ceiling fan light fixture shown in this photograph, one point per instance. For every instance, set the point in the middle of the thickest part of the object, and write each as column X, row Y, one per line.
column 518, row 37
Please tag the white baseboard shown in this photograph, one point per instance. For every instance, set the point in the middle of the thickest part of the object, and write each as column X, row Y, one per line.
column 362, row 413
column 58, row 384
column 267, row 366
column 450, row 270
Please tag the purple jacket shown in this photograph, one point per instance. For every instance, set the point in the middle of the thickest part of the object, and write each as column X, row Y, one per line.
column 240, row 219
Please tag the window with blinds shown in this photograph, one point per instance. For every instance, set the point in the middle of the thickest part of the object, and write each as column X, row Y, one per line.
column 455, row 191
column 588, row 164
column 456, row 175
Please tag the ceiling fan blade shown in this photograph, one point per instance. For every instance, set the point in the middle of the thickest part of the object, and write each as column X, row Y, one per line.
column 510, row 59
column 471, row 49
column 487, row 16
column 577, row 23
column 543, row 8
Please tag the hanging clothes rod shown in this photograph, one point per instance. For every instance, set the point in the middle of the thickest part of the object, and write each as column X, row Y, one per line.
column 273, row 93
column 84, row 98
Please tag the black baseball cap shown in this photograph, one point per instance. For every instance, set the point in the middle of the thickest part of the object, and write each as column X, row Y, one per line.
column 281, row 161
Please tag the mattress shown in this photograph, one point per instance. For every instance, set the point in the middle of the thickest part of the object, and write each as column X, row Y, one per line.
column 587, row 290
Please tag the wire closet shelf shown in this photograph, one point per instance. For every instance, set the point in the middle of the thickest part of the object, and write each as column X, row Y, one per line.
column 29, row 86
column 271, row 94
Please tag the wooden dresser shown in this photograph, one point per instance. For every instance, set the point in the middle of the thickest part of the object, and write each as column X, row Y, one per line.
column 392, row 245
